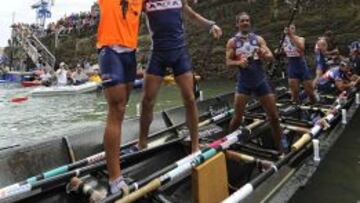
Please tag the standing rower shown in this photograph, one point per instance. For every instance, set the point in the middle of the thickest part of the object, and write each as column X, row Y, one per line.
column 117, row 41
column 298, row 71
column 246, row 51
column 165, row 21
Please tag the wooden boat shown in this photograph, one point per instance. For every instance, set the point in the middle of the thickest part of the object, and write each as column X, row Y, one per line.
column 157, row 175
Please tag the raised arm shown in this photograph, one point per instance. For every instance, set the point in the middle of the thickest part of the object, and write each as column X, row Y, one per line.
column 299, row 42
column 201, row 21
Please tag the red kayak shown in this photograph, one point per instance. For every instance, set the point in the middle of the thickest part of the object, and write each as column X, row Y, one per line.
column 19, row 99
column 30, row 83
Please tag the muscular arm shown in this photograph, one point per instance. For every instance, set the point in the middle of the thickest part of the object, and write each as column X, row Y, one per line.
column 264, row 51
column 342, row 86
column 299, row 42
column 200, row 20
column 230, row 53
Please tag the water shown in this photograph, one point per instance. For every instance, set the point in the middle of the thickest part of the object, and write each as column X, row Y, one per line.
column 41, row 117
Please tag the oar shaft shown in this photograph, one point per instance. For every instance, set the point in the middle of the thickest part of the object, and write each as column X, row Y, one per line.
column 181, row 170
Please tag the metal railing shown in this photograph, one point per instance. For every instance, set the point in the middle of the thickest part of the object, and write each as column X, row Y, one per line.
column 36, row 50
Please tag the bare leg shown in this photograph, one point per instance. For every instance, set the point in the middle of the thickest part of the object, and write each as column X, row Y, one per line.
column 309, row 89
column 319, row 73
column 269, row 104
column 239, row 105
column 294, row 88
column 151, row 87
column 117, row 97
column 186, row 83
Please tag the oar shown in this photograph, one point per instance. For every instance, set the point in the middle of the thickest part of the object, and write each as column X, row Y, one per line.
column 287, row 120
column 248, row 188
column 12, row 192
column 51, row 175
column 306, row 107
column 236, row 156
column 179, row 170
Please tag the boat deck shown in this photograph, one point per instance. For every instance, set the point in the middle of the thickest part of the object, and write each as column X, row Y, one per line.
column 337, row 178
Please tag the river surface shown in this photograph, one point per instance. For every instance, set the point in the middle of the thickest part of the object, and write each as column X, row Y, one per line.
column 42, row 117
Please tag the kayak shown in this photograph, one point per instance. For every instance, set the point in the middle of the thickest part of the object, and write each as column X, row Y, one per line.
column 65, row 90
column 30, row 83
column 245, row 161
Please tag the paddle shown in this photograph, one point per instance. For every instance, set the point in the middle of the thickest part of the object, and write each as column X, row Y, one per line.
column 88, row 164
column 181, row 168
column 248, row 188
column 277, row 58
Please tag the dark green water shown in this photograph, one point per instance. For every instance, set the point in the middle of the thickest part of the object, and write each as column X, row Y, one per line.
column 40, row 117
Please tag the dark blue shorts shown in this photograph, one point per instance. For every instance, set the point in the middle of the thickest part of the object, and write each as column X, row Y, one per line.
column 177, row 59
column 262, row 89
column 298, row 69
column 117, row 68
column 320, row 62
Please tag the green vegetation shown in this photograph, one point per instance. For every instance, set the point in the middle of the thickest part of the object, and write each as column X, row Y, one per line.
column 269, row 17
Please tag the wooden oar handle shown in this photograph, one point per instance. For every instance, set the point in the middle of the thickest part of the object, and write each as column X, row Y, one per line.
column 153, row 185
column 255, row 124
column 295, row 128
column 204, row 123
column 301, row 142
column 239, row 156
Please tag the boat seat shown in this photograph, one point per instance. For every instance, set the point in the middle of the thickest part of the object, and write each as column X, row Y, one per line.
column 210, row 180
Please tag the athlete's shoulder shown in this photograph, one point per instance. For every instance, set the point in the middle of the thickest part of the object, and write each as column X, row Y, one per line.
column 231, row 42
column 260, row 39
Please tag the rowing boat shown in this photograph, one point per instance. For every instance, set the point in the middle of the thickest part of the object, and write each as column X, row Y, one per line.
column 65, row 90
column 162, row 171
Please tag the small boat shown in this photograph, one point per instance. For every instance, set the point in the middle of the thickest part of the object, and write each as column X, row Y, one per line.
column 65, row 90
column 230, row 165
column 33, row 83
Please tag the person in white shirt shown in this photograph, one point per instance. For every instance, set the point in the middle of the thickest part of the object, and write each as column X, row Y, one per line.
column 61, row 75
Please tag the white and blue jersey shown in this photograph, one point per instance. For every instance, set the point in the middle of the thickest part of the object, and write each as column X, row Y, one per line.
column 165, row 22
column 251, row 80
column 327, row 81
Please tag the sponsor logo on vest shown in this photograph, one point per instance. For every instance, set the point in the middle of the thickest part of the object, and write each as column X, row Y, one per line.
column 163, row 5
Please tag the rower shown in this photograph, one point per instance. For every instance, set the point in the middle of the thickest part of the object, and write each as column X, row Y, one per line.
column 169, row 50
column 298, row 71
column 246, row 51
column 355, row 56
column 325, row 49
column 117, row 42
column 338, row 79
